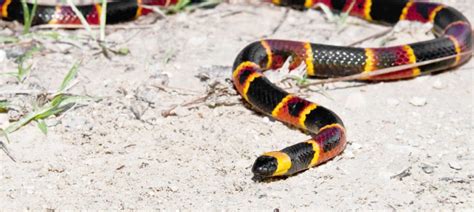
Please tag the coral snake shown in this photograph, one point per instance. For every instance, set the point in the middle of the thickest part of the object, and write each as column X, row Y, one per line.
column 328, row 134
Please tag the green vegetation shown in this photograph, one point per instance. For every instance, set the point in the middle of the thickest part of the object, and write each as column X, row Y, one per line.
column 59, row 103
column 340, row 19
column 28, row 15
column 186, row 5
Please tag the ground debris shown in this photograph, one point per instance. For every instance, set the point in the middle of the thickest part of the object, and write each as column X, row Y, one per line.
column 418, row 101
column 405, row 173
column 455, row 180
column 455, row 165
column 427, row 168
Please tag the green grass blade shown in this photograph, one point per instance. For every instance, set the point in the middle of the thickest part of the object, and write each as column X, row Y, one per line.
column 4, row 105
column 8, row 39
column 60, row 104
column 103, row 20
column 4, row 147
column 10, row 74
column 33, row 12
column 81, row 17
column 328, row 12
column 22, row 122
column 69, row 77
column 181, row 5
column 42, row 126
column 23, row 72
column 28, row 16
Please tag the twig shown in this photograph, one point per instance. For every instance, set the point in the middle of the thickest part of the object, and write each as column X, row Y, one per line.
column 232, row 13
column 200, row 99
column 280, row 23
column 169, row 111
column 178, row 90
column 405, row 173
column 7, row 152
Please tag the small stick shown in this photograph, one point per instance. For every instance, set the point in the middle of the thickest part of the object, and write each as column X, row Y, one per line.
column 197, row 100
column 7, row 152
column 168, row 112
column 280, row 23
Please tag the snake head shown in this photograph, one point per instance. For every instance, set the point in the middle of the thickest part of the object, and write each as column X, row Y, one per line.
column 264, row 166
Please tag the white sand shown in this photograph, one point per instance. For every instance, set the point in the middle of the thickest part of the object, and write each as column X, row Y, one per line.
column 102, row 157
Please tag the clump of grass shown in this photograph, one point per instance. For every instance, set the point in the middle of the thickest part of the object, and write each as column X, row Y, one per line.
column 60, row 102
column 23, row 69
column 28, row 16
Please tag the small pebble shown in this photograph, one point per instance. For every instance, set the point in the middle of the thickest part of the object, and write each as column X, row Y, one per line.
column 418, row 101
column 428, row 169
column 438, row 84
column 173, row 188
column 454, row 165
column 29, row 191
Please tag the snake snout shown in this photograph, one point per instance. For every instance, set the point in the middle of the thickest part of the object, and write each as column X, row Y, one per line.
column 265, row 166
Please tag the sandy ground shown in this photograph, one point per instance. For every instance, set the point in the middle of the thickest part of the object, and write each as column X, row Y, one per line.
column 410, row 142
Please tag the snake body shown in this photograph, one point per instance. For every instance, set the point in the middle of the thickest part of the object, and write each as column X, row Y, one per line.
column 117, row 11
column 328, row 134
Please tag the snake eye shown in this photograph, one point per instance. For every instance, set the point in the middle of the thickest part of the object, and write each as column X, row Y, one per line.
column 265, row 166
